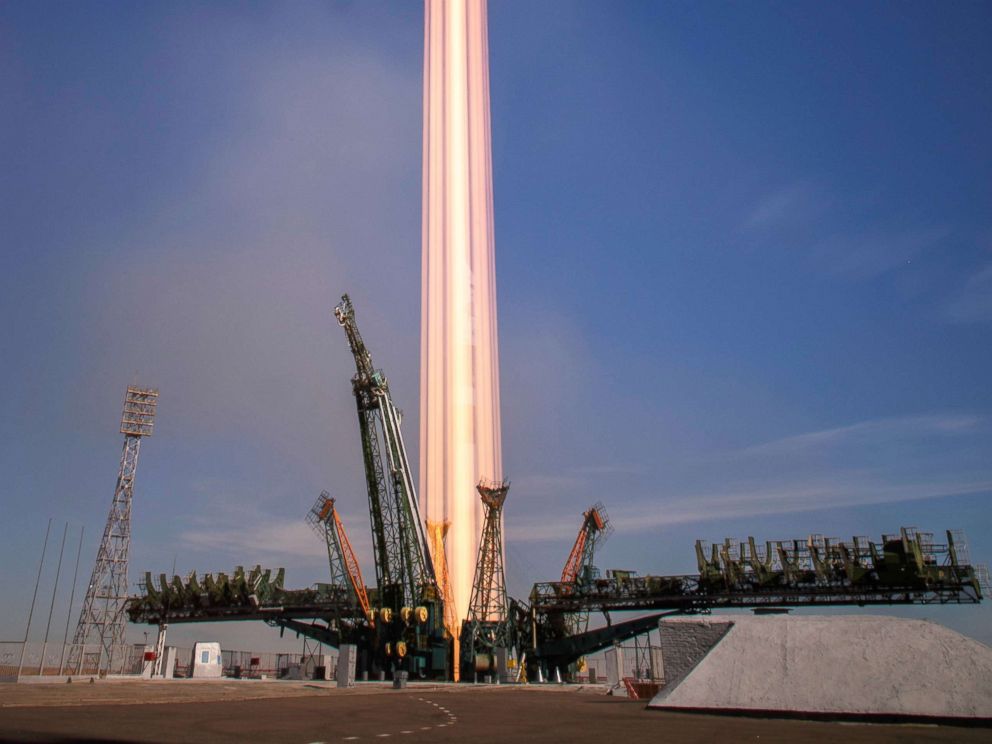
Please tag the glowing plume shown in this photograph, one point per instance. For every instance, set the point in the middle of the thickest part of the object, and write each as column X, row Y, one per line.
column 459, row 378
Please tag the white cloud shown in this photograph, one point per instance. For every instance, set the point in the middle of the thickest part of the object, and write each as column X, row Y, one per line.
column 649, row 513
column 240, row 532
column 791, row 205
column 801, row 496
column 261, row 542
column 827, row 230
column 974, row 303
column 888, row 428
column 837, row 467
column 859, row 256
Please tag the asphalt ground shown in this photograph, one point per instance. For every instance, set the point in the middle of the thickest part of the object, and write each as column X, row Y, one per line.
column 300, row 713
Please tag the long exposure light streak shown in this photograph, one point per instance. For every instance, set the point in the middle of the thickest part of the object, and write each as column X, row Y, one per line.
column 459, row 378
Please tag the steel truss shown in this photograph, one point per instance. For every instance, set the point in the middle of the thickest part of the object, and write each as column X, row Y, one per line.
column 403, row 561
column 102, row 622
column 488, row 603
column 487, row 628
column 685, row 593
column 344, row 569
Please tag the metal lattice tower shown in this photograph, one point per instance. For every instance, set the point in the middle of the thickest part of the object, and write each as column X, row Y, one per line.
column 403, row 564
column 321, row 519
column 579, row 567
column 596, row 527
column 100, row 634
column 487, row 628
column 488, row 604
column 324, row 519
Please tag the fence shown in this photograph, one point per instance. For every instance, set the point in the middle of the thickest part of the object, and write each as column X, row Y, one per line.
column 60, row 660
column 54, row 659
column 640, row 661
column 35, row 659
column 256, row 665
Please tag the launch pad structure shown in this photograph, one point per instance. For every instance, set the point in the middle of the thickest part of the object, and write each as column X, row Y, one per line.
column 429, row 615
column 405, row 623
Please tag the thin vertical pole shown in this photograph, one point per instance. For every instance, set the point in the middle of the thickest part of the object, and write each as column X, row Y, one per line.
column 44, row 549
column 72, row 598
column 51, row 608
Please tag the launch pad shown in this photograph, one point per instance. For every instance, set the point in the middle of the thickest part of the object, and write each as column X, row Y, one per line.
column 405, row 622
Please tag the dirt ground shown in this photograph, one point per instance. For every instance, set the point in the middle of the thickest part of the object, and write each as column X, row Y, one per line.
column 300, row 713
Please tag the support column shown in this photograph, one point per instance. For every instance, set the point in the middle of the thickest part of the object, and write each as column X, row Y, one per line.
column 160, row 650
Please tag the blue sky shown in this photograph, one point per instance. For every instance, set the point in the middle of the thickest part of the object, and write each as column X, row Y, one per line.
column 744, row 262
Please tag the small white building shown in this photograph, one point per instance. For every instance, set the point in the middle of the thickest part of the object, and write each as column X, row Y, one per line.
column 207, row 662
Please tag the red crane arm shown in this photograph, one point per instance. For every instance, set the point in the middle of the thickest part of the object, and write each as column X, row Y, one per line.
column 571, row 571
column 352, row 569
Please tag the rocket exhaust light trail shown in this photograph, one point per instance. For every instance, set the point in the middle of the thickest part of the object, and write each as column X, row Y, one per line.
column 459, row 378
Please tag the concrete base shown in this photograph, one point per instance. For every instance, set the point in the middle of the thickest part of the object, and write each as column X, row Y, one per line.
column 833, row 666
column 347, row 657
column 53, row 679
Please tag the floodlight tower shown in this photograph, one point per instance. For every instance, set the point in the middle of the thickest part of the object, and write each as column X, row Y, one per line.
column 102, row 622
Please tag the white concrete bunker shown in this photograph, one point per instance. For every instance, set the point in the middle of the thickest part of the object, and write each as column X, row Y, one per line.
column 843, row 665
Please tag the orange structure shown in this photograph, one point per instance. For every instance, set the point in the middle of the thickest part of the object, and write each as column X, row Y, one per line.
column 436, row 532
column 351, row 567
column 323, row 517
column 594, row 522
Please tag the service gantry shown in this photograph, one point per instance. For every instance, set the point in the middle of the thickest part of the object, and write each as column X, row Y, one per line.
column 410, row 604
column 402, row 558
